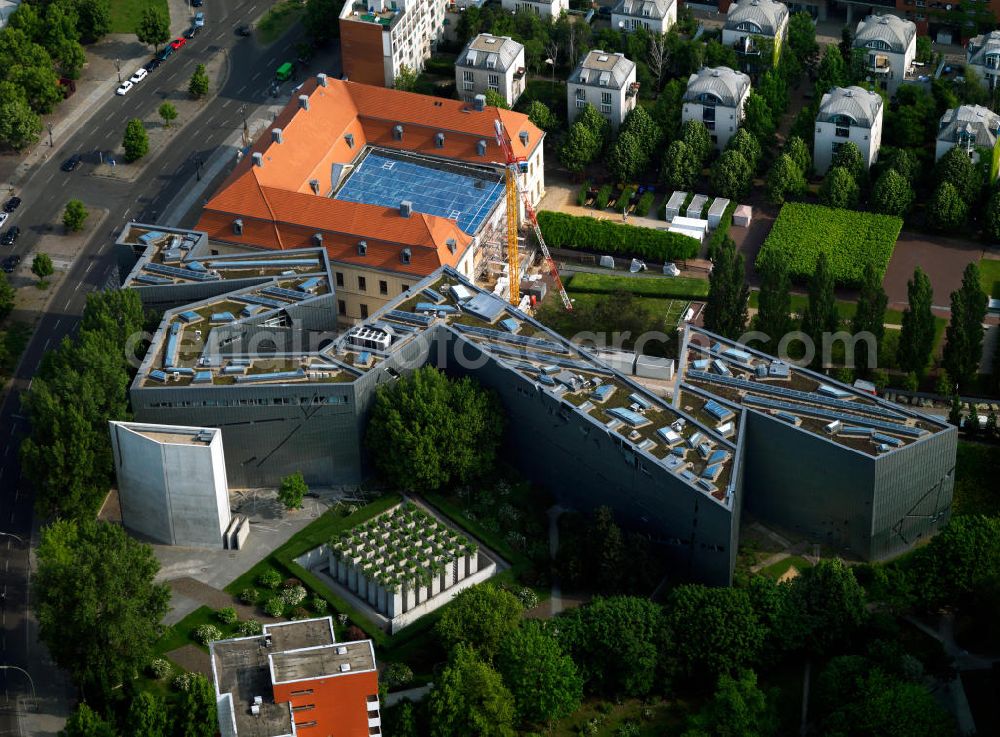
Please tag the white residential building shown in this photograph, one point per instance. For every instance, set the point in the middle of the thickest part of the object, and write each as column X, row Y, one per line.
column 971, row 127
column 656, row 16
column 490, row 63
column 847, row 115
column 606, row 81
column 716, row 96
column 380, row 37
column 983, row 55
column 890, row 46
column 550, row 9
column 749, row 18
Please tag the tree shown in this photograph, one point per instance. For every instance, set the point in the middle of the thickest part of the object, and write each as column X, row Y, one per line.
column 696, row 136
column 147, row 715
column 784, row 180
column 916, row 338
column 799, row 151
column 728, row 293
column 737, row 709
column 93, row 19
column 469, row 698
column 640, row 124
column 825, row 607
column 667, row 109
column 105, row 578
column 717, row 55
column 774, row 303
column 597, row 123
column 849, row 157
column 542, row 678
column 832, row 71
column 991, row 226
column 85, row 722
column 957, row 169
column 199, row 84
column 480, row 617
column 135, row 141
column 869, row 317
column 168, row 112
column 153, row 28
column 627, row 158
column 39, row 83
column 74, row 216
column 426, row 431
column 820, row 316
column 41, row 266
column 657, row 57
column 802, row 37
column 963, row 349
column 197, row 712
column 892, row 194
column 903, row 160
column 495, row 99
column 540, row 114
column 7, row 294
column 580, row 148
column 615, row 643
column 731, row 175
column 320, row 20
column 747, row 145
column 839, row 188
column 758, row 118
column 737, row 634
column 292, row 491
column 680, row 167
column 19, row 124
column 946, row 209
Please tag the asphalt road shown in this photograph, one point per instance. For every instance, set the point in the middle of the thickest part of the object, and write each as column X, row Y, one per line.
column 44, row 193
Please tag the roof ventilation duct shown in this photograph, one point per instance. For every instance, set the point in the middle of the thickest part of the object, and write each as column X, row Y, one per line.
column 277, row 135
column 258, row 158
column 405, row 208
column 314, row 185
column 304, row 102
column 479, row 103
column 321, row 79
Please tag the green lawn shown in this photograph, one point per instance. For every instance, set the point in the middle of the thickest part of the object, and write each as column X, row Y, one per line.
column 278, row 19
column 182, row 633
column 777, row 570
column 606, row 718
column 976, row 490
column 640, row 286
column 989, row 276
column 125, row 13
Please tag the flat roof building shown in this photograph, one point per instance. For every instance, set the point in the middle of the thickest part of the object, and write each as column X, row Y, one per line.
column 295, row 679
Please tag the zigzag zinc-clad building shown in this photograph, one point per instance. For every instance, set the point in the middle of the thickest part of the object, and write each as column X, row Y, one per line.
column 263, row 363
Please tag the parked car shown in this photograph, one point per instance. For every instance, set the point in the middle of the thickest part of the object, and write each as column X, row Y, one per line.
column 12, row 204
column 10, row 263
column 191, row 32
column 178, row 43
column 244, row 30
column 165, row 53
column 71, row 163
column 139, row 75
column 199, row 20
column 124, row 87
column 10, row 237
column 197, row 3
column 3, row 217
column 151, row 64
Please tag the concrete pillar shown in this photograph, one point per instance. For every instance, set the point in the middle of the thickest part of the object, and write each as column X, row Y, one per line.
column 460, row 568
column 380, row 602
column 342, row 571
column 435, row 584
column 448, row 576
column 374, row 591
column 394, row 600
column 422, row 594
column 473, row 559
column 411, row 597
column 362, row 586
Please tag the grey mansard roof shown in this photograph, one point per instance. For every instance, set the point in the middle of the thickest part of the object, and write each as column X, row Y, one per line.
column 981, row 45
column 503, row 52
column 894, row 31
column 722, row 82
column 654, row 9
column 857, row 103
column 970, row 120
column 602, row 69
column 766, row 15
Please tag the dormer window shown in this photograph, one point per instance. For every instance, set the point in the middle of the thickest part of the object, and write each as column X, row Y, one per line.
column 439, row 140
column 362, row 248
column 406, row 254
column 397, row 133
column 349, row 137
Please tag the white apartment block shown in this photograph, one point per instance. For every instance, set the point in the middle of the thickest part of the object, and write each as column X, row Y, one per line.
column 379, row 37
column 970, row 127
column 890, row 46
column 847, row 115
column 716, row 96
column 550, row 9
column 606, row 81
column 491, row 63
column 656, row 16
column 983, row 55
column 748, row 19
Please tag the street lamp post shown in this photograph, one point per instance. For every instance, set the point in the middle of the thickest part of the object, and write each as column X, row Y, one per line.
column 246, row 128
column 11, row 534
column 552, row 63
column 118, row 66
column 50, row 136
column 34, row 696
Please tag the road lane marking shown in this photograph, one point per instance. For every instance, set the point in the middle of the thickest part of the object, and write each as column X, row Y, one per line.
column 57, row 323
column 242, row 89
column 226, row 103
column 255, row 77
column 47, row 341
column 66, row 307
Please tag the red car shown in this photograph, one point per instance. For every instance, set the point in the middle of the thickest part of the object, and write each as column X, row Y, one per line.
column 177, row 43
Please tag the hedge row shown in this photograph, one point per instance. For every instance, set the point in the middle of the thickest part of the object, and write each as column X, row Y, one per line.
column 678, row 287
column 852, row 241
column 719, row 234
column 604, row 236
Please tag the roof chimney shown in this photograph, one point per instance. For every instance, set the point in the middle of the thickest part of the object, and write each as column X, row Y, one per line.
column 238, row 226
column 314, row 183
column 258, row 158
column 321, row 79
column 405, row 207
column 304, row 102
column 479, row 103
column 277, row 135
column 317, row 239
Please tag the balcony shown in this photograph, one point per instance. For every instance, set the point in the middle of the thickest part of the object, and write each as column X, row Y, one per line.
column 633, row 90
column 746, row 47
column 878, row 64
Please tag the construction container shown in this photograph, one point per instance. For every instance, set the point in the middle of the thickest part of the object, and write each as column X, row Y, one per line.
column 674, row 204
column 716, row 211
column 742, row 216
column 695, row 206
column 651, row 367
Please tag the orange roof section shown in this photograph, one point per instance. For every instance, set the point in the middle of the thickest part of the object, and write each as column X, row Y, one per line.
column 281, row 211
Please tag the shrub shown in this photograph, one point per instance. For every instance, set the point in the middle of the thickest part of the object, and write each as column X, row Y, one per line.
column 676, row 287
column 227, row 615
column 182, row 681
column 293, row 596
column 250, row 628
column 645, row 204
column 269, row 579
column 206, row 633
column 853, row 241
column 250, row 596
column 300, row 612
column 274, row 607
column 319, row 604
column 581, row 196
column 603, row 195
column 527, row 597
column 396, row 675
column 355, row 633
column 290, row 583
column 603, row 236
column 160, row 668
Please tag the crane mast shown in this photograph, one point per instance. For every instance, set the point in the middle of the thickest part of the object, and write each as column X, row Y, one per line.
column 514, row 166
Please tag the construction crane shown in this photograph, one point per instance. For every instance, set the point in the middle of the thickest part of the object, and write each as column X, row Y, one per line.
column 514, row 167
